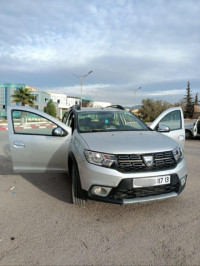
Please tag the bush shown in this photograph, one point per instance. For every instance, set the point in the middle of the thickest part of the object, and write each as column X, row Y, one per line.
column 50, row 109
column 151, row 109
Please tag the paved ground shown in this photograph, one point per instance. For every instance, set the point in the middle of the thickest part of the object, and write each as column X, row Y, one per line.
column 39, row 225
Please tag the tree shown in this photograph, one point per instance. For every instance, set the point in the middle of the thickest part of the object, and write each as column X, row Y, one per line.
column 181, row 103
column 189, row 108
column 50, row 109
column 196, row 100
column 151, row 109
column 23, row 96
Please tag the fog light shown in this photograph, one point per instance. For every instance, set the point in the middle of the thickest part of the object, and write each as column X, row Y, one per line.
column 183, row 180
column 100, row 191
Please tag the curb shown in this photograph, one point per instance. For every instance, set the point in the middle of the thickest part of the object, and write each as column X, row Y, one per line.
column 31, row 126
column 4, row 126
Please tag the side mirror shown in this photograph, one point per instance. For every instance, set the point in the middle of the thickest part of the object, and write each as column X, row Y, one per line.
column 59, row 132
column 163, row 129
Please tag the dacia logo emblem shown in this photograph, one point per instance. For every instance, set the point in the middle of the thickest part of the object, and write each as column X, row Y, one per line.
column 148, row 160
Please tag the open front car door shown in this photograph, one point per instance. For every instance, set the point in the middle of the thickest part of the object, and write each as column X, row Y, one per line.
column 171, row 123
column 38, row 142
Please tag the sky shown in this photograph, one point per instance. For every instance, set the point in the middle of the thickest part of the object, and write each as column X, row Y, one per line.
column 136, row 49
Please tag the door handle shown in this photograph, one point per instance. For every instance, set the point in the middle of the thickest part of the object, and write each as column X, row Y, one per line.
column 19, row 145
column 181, row 137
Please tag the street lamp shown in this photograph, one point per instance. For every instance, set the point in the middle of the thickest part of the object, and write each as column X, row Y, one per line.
column 135, row 93
column 81, row 78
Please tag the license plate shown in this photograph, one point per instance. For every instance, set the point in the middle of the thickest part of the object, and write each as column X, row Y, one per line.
column 151, row 181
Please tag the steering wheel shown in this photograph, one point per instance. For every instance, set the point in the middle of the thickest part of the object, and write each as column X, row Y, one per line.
column 110, row 125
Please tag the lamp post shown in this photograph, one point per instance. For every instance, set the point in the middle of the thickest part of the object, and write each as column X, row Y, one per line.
column 134, row 91
column 81, row 78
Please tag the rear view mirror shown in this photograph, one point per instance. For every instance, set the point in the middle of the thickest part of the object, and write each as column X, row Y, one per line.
column 59, row 132
column 163, row 129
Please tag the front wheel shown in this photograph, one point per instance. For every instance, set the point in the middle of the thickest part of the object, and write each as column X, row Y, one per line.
column 78, row 196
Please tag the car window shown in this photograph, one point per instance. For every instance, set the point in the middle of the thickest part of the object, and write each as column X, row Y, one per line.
column 102, row 121
column 132, row 121
column 64, row 119
column 172, row 120
column 29, row 123
column 71, row 121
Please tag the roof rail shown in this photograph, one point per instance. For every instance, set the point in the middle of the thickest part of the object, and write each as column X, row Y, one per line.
column 76, row 107
column 116, row 106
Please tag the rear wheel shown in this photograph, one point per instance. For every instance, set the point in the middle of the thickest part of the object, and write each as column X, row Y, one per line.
column 188, row 134
column 78, row 196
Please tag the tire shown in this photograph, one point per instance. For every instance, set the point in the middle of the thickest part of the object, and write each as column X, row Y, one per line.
column 78, row 196
column 188, row 134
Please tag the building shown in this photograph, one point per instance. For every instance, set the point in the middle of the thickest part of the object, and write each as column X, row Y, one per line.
column 62, row 101
column 41, row 98
column 71, row 100
column 7, row 89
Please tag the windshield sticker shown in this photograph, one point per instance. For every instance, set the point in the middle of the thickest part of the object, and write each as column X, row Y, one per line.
column 106, row 121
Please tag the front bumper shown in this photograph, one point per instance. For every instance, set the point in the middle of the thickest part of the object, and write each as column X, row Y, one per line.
column 122, row 191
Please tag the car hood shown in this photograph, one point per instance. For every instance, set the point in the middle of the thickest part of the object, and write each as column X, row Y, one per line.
column 128, row 142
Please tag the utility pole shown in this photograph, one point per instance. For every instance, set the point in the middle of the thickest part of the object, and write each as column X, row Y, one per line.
column 81, row 79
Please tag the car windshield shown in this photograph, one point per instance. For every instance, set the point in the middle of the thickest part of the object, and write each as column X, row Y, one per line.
column 103, row 121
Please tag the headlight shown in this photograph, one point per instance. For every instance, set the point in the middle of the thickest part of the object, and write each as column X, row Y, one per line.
column 178, row 154
column 101, row 159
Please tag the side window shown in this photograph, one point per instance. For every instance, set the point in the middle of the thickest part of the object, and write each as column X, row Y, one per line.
column 132, row 121
column 64, row 120
column 171, row 120
column 117, row 119
column 71, row 121
column 30, row 123
column 128, row 118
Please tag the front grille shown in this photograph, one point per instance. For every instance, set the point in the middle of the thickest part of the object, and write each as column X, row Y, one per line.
column 136, row 162
column 125, row 189
column 145, row 192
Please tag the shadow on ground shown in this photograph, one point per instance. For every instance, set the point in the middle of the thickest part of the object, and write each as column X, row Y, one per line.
column 55, row 184
column 196, row 138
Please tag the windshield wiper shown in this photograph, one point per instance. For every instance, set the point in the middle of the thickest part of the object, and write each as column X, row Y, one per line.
column 96, row 130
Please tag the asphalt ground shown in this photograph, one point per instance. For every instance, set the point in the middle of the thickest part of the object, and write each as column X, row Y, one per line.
column 40, row 226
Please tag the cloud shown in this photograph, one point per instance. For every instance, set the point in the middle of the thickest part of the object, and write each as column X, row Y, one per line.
column 167, row 92
column 121, row 95
column 126, row 43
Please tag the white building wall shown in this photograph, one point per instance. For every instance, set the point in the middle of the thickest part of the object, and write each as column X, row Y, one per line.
column 59, row 98
column 63, row 102
column 72, row 101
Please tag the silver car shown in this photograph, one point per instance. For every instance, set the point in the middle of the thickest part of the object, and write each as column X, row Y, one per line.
column 110, row 154
column 192, row 130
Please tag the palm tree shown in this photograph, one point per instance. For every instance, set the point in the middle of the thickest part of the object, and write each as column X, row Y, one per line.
column 23, row 96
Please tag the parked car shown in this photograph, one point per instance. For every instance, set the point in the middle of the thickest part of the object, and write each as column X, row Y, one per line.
column 109, row 154
column 192, row 130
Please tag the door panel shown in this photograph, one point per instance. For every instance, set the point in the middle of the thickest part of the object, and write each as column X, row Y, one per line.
column 172, row 118
column 33, row 146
